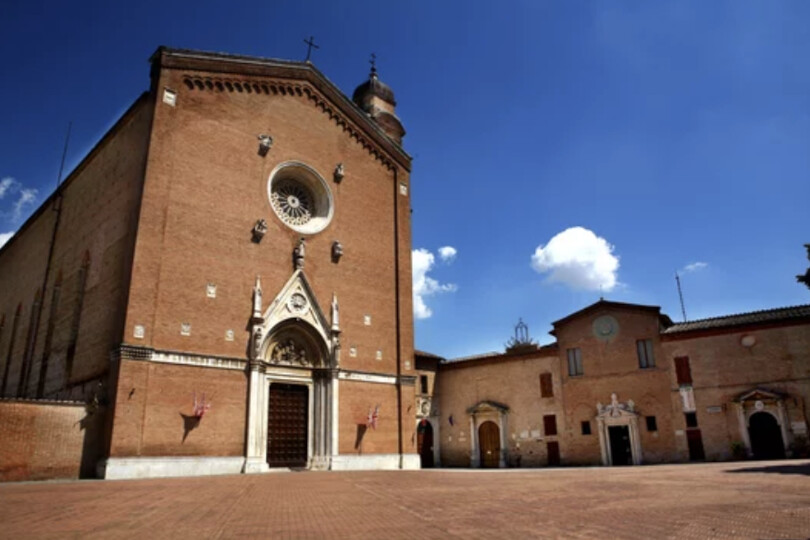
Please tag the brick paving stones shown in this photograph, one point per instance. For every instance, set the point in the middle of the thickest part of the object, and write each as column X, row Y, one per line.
column 713, row 500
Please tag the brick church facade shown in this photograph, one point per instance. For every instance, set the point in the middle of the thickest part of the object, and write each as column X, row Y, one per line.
column 224, row 280
column 223, row 285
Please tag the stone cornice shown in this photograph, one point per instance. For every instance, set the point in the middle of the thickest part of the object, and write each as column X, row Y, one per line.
column 279, row 77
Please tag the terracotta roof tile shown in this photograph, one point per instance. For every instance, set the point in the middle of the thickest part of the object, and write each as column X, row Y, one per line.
column 743, row 319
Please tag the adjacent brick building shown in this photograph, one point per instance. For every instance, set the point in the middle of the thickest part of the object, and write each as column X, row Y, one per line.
column 227, row 276
column 625, row 385
column 223, row 285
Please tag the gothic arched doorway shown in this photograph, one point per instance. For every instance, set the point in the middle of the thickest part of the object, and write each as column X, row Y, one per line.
column 766, row 436
column 489, row 441
column 424, row 443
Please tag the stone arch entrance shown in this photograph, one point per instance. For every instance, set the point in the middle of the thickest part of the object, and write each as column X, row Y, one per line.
column 766, row 436
column 493, row 446
column 424, row 443
column 293, row 391
column 619, row 440
column 490, row 444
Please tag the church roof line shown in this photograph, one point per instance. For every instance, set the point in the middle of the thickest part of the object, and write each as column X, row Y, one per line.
column 764, row 316
column 86, row 160
column 601, row 303
column 497, row 357
column 305, row 71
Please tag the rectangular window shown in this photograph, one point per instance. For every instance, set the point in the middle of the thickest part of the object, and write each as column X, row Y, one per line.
column 550, row 424
column 644, row 348
column 682, row 370
column 691, row 420
column 423, row 383
column 652, row 425
column 586, row 427
column 546, row 385
column 575, row 362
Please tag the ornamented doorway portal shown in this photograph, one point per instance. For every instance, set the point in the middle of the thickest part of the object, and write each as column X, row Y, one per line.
column 489, row 439
column 288, row 417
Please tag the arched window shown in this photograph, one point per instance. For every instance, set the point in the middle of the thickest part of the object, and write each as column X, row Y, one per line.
column 25, row 367
column 9, row 356
column 77, row 316
column 46, row 351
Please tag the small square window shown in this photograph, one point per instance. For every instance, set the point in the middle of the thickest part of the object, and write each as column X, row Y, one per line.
column 691, row 420
column 652, row 425
column 586, row 427
column 575, row 362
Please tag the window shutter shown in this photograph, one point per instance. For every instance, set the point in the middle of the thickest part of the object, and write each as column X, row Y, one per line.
column 682, row 370
column 546, row 385
column 550, row 424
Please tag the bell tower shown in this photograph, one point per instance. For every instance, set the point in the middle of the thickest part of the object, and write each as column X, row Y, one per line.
column 376, row 99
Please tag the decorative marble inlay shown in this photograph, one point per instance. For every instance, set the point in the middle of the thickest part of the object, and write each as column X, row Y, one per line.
column 297, row 303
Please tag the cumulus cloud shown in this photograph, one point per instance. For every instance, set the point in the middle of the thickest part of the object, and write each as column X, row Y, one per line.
column 695, row 266
column 5, row 185
column 25, row 196
column 424, row 285
column 578, row 258
column 447, row 253
column 5, row 237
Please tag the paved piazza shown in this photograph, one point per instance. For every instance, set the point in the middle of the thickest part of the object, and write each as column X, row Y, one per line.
column 737, row 500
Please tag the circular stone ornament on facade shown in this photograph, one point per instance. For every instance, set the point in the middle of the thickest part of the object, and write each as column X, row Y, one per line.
column 297, row 303
column 300, row 197
column 605, row 327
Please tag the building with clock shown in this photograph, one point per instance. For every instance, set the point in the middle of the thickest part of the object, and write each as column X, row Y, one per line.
column 223, row 283
column 624, row 385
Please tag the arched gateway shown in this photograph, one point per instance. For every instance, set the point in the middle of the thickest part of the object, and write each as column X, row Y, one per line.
column 766, row 436
column 292, row 416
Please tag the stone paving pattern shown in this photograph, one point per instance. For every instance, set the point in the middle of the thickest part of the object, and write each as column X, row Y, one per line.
column 713, row 500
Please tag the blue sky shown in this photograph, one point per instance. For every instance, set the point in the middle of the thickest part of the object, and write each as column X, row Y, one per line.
column 625, row 140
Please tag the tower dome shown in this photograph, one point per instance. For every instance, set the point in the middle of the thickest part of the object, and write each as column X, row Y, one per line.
column 376, row 99
column 373, row 88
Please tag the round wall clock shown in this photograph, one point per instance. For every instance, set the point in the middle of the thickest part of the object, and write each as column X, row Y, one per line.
column 605, row 327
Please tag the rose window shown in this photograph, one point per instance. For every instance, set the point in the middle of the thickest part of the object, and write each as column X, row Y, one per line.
column 292, row 201
column 300, row 197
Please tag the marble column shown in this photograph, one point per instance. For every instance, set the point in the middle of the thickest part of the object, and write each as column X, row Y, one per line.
column 256, row 447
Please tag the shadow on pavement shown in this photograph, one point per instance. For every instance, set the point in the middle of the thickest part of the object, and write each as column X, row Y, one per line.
column 803, row 468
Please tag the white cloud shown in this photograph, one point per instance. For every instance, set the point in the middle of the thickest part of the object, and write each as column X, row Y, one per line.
column 5, row 237
column 423, row 285
column 7, row 184
column 579, row 259
column 695, row 266
column 27, row 196
column 447, row 254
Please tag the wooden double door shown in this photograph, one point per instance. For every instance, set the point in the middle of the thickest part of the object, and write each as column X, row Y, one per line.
column 489, row 442
column 288, row 423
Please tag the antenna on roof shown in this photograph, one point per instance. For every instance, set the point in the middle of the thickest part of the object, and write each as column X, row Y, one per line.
column 64, row 153
column 680, row 295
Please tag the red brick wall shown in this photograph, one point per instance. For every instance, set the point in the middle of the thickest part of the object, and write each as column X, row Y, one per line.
column 154, row 405
column 205, row 188
column 43, row 440
column 99, row 210
column 614, row 367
